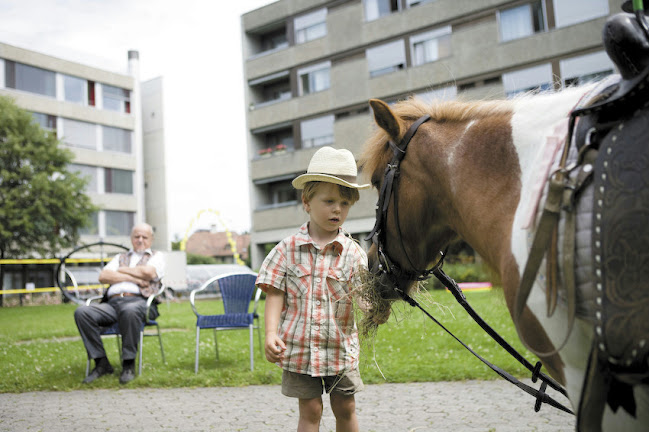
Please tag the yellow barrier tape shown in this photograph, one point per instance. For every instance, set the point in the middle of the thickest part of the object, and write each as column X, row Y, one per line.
column 52, row 260
column 50, row 289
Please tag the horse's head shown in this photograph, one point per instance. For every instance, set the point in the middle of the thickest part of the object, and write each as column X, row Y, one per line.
column 412, row 224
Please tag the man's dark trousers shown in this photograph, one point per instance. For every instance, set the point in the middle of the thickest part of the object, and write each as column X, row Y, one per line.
column 128, row 311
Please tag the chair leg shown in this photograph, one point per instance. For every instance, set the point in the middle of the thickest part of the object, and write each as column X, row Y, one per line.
column 261, row 352
column 252, row 365
column 140, row 349
column 198, row 333
column 162, row 351
column 118, row 339
column 216, row 345
column 88, row 367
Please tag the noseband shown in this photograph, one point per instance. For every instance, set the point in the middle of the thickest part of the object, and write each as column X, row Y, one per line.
column 389, row 187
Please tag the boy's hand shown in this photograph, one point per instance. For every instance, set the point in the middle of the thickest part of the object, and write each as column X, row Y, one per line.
column 275, row 348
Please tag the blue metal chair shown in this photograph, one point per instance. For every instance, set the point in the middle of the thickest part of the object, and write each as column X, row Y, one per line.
column 79, row 296
column 114, row 330
column 237, row 292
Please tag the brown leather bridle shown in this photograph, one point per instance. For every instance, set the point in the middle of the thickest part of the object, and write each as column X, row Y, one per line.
column 385, row 265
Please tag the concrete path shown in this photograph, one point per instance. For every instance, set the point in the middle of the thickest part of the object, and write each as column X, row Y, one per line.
column 486, row 406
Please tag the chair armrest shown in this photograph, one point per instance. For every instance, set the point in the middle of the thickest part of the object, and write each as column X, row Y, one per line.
column 192, row 295
column 93, row 298
column 149, row 301
column 257, row 297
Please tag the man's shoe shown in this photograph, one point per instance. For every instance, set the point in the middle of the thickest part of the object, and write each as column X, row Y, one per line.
column 127, row 375
column 97, row 372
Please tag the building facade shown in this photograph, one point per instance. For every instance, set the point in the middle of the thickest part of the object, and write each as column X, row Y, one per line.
column 312, row 65
column 114, row 126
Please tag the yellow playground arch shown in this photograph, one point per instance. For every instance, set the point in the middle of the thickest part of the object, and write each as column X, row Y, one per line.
column 228, row 234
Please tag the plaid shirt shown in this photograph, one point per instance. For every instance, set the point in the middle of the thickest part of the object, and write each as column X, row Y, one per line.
column 317, row 320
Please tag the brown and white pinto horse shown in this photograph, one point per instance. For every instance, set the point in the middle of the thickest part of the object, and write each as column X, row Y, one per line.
column 472, row 171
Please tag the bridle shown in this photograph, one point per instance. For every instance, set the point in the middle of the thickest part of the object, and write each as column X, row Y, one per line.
column 387, row 267
column 389, row 187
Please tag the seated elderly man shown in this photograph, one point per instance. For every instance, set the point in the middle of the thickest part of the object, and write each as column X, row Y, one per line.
column 133, row 276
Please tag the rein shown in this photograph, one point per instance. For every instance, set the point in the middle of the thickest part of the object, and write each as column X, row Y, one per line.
column 389, row 268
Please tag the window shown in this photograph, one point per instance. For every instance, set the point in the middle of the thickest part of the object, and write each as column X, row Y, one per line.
column 277, row 193
column 30, row 79
column 310, row 26
column 314, row 78
column 93, row 225
column 317, row 132
column 375, row 9
column 80, row 134
column 521, row 21
column 116, row 139
column 575, row 11
column 119, row 223
column 277, row 92
column 75, row 89
column 430, row 46
column 589, row 67
column 45, row 121
column 116, row 99
column 89, row 173
column 386, row 58
column 272, row 88
column 532, row 79
column 118, row 181
column 275, row 138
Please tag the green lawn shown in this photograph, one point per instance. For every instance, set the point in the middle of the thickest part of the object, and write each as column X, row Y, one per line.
column 40, row 348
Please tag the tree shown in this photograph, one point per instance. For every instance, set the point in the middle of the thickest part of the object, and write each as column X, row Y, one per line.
column 42, row 204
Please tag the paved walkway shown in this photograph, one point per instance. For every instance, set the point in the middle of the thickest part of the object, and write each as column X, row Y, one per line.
column 486, row 406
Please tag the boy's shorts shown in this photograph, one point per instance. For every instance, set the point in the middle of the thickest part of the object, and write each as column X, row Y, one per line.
column 307, row 387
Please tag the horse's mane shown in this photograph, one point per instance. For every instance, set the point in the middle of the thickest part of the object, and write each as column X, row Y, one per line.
column 441, row 111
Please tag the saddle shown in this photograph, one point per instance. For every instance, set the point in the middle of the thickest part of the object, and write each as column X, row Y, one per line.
column 614, row 128
column 610, row 134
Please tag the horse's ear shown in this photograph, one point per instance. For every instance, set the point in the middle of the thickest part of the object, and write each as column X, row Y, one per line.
column 385, row 118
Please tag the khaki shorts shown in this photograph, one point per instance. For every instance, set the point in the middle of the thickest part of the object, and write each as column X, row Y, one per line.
column 307, row 387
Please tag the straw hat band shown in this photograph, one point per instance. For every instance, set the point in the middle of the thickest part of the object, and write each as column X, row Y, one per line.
column 347, row 178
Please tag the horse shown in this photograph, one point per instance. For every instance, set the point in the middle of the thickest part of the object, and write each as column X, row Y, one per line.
column 476, row 171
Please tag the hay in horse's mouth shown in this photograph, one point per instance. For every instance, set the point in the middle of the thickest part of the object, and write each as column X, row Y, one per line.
column 375, row 309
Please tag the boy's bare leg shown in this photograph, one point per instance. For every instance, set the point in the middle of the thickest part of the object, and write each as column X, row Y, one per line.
column 344, row 408
column 310, row 415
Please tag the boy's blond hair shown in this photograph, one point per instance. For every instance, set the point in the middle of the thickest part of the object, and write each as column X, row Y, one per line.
column 311, row 188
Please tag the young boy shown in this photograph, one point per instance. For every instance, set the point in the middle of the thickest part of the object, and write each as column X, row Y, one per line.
column 309, row 280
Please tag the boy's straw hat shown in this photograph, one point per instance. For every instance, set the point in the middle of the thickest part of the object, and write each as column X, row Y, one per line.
column 331, row 166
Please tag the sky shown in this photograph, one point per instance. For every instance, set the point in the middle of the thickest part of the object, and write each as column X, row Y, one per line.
column 195, row 46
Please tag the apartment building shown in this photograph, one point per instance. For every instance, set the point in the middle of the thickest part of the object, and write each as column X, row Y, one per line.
column 114, row 126
column 312, row 65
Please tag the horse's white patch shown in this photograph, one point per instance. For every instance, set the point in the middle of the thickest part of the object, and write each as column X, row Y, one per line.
column 536, row 118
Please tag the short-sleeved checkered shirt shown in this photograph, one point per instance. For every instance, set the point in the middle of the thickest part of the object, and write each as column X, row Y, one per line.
column 317, row 320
